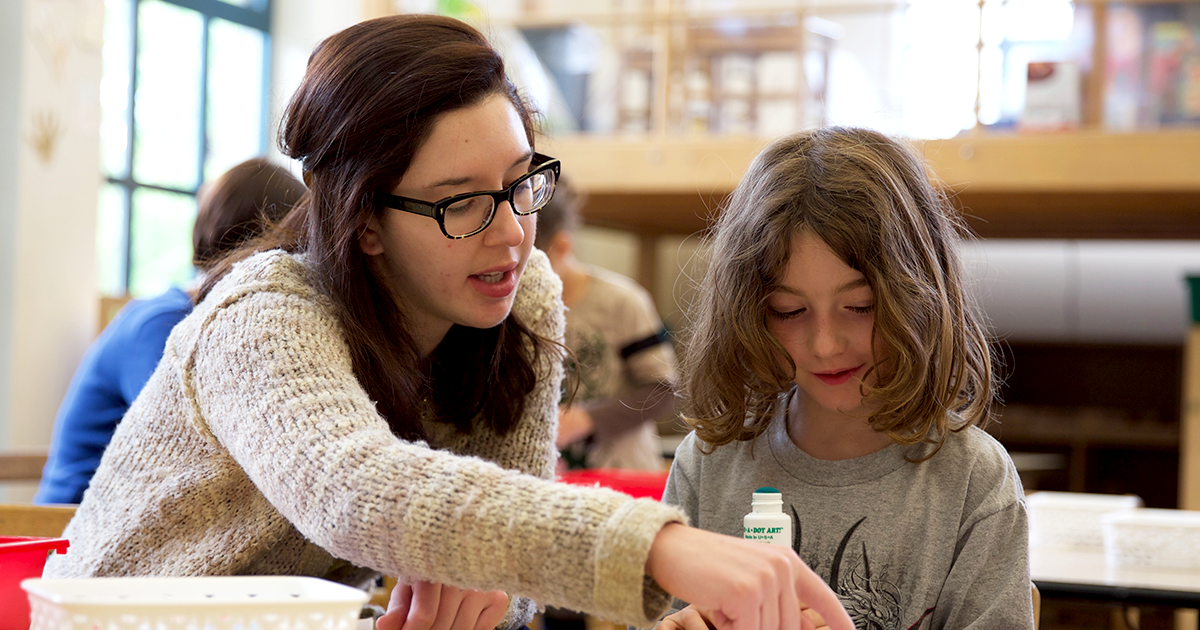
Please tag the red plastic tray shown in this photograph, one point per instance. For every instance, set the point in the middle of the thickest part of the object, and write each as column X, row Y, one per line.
column 637, row 483
column 22, row 557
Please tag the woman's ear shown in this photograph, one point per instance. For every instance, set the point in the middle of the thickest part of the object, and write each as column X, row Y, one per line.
column 370, row 240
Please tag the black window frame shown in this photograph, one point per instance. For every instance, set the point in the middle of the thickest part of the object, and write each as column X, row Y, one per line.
column 256, row 16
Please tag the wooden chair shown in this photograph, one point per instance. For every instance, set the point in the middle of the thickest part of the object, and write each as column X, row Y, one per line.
column 34, row 520
column 1037, row 605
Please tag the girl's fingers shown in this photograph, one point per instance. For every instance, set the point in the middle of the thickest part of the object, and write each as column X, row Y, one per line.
column 687, row 619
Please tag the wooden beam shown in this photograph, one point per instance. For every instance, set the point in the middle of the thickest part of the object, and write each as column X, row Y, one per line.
column 22, row 465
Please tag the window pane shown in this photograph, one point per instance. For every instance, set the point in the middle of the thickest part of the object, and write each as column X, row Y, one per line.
column 235, row 95
column 162, row 241
column 110, row 240
column 114, row 86
column 167, row 110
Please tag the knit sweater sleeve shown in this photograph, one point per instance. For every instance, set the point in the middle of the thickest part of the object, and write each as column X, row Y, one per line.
column 270, row 382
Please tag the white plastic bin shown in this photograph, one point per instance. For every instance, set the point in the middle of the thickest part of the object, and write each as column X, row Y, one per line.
column 1152, row 538
column 1072, row 519
column 193, row 603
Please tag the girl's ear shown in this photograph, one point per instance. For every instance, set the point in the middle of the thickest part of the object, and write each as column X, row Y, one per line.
column 370, row 240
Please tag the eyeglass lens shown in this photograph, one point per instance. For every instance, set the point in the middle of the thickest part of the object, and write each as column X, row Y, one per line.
column 474, row 213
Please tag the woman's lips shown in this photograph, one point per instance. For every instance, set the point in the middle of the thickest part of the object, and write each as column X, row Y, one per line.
column 837, row 377
column 497, row 284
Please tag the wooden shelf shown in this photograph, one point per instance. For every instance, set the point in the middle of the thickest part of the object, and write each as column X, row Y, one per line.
column 1076, row 185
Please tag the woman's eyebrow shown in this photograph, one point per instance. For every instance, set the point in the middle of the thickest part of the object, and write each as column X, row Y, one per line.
column 459, row 181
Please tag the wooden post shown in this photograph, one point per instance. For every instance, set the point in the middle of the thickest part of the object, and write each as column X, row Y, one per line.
column 1189, row 423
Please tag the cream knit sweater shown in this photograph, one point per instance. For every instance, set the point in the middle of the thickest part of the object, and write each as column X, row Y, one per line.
column 253, row 450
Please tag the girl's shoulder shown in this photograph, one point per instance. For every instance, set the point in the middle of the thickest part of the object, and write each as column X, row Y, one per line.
column 981, row 462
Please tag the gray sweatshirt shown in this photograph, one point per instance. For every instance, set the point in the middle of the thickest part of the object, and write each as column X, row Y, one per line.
column 941, row 544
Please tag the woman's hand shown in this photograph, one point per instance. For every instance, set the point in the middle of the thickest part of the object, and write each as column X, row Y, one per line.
column 741, row 584
column 692, row 618
column 431, row 606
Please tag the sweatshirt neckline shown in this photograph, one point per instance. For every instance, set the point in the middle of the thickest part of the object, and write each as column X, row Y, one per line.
column 823, row 472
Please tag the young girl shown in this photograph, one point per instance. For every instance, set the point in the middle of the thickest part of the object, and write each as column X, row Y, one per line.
column 837, row 356
column 372, row 387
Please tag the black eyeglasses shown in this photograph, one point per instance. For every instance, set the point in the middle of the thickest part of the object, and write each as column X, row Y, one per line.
column 468, row 214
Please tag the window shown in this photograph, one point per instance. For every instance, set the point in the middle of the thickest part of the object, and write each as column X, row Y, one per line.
column 183, row 98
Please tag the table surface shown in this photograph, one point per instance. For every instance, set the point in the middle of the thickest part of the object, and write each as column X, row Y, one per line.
column 1083, row 567
column 1072, row 573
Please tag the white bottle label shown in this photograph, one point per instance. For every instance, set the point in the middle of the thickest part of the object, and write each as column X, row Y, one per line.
column 775, row 529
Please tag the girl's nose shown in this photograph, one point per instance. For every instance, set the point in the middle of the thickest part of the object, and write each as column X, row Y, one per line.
column 827, row 340
column 506, row 229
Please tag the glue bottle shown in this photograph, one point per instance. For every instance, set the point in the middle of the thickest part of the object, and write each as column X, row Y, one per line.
column 766, row 521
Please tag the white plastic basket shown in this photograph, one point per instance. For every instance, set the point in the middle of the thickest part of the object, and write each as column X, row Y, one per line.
column 1072, row 519
column 1153, row 538
column 193, row 603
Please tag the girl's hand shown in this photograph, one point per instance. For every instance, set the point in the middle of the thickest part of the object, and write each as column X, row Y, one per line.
column 431, row 606
column 689, row 618
column 741, row 584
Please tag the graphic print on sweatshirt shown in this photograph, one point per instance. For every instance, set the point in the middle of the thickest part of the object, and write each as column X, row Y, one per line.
column 868, row 592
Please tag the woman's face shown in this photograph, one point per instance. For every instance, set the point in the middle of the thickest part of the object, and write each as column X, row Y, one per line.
column 437, row 281
column 823, row 313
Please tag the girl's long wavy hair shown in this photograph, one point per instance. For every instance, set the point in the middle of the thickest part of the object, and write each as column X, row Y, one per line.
column 872, row 201
column 369, row 99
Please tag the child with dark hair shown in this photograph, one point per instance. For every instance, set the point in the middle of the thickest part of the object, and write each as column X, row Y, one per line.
column 836, row 355
column 624, row 365
column 236, row 207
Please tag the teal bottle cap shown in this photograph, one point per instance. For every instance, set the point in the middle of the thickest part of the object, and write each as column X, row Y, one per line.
column 766, row 489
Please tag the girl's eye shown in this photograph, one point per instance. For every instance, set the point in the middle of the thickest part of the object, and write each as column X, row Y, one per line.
column 777, row 314
column 862, row 310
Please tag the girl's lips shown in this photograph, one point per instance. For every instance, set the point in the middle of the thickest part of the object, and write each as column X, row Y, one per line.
column 495, row 284
column 837, row 378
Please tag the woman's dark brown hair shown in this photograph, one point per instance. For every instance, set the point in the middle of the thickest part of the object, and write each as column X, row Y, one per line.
column 239, row 206
column 871, row 200
column 369, row 99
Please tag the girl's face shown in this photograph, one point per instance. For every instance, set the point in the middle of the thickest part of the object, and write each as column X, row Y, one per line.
column 823, row 313
column 437, row 281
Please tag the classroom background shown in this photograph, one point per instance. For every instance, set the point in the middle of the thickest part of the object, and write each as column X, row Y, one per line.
column 1068, row 132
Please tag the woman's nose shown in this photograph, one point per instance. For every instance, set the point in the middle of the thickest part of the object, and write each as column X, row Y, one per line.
column 506, row 229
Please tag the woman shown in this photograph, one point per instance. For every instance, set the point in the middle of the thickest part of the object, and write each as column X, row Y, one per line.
column 372, row 387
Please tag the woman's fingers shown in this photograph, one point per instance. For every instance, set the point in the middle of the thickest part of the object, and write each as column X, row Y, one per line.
column 494, row 608
column 397, row 608
column 450, row 601
column 814, row 618
column 816, row 595
column 750, row 585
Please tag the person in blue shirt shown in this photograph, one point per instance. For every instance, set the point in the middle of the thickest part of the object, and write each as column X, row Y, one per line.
column 238, row 205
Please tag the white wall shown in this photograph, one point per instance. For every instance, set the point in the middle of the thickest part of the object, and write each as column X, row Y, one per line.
column 51, row 50
column 48, row 300
column 297, row 26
